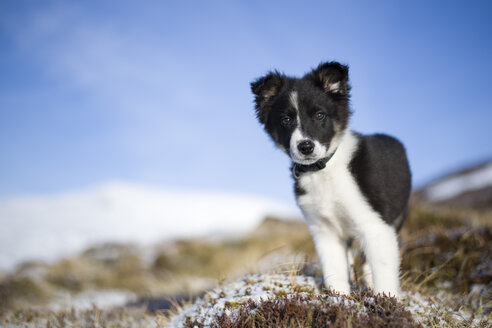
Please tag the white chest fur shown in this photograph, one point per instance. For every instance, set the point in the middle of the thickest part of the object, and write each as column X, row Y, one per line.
column 335, row 210
column 325, row 201
column 332, row 196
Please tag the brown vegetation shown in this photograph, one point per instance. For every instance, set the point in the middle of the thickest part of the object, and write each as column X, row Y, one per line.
column 319, row 311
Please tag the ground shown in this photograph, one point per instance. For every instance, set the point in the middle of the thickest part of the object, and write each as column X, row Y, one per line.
column 446, row 279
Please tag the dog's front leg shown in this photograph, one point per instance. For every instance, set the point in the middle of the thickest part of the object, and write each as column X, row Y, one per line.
column 332, row 253
column 381, row 249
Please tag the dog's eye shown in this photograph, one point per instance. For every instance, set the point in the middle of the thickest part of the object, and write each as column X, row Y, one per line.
column 320, row 116
column 286, row 121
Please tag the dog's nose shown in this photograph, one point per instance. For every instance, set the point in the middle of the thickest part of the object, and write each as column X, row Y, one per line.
column 306, row 147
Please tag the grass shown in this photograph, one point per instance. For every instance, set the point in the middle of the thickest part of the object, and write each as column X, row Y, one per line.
column 318, row 311
column 117, row 318
column 459, row 256
column 203, row 258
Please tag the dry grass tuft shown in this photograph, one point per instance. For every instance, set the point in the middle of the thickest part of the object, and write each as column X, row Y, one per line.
column 318, row 311
column 459, row 256
column 202, row 258
column 118, row 317
column 21, row 291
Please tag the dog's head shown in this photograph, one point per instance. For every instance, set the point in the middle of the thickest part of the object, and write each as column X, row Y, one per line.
column 305, row 117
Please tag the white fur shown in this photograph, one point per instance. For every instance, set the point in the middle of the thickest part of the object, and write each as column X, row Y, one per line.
column 294, row 101
column 368, row 278
column 335, row 209
column 335, row 87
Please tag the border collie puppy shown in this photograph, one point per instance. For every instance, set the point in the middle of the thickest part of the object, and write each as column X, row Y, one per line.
column 348, row 185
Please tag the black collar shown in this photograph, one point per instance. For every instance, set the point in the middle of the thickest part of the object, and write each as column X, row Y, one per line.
column 298, row 169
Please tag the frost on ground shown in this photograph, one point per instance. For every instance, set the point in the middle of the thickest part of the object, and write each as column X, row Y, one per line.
column 437, row 312
column 289, row 301
column 227, row 299
column 268, row 300
column 280, row 300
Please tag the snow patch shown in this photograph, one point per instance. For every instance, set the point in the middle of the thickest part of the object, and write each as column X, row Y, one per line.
column 456, row 185
column 49, row 227
column 102, row 299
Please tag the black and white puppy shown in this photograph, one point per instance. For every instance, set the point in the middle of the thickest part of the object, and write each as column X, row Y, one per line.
column 347, row 185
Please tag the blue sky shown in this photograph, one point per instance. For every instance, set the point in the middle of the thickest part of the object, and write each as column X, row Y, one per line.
column 158, row 91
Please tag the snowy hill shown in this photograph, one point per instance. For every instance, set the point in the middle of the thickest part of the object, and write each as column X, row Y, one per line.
column 48, row 227
column 469, row 187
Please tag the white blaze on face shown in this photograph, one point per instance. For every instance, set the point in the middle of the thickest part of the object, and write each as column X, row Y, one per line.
column 298, row 136
column 294, row 101
column 295, row 139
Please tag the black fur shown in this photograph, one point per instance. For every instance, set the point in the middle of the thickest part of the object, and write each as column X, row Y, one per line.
column 380, row 167
column 298, row 190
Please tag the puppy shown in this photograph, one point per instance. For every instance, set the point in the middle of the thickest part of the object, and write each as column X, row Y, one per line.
column 348, row 185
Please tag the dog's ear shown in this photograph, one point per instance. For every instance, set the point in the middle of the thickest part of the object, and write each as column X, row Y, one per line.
column 265, row 89
column 332, row 77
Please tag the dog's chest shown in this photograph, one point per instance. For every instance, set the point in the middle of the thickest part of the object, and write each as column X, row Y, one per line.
column 328, row 198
